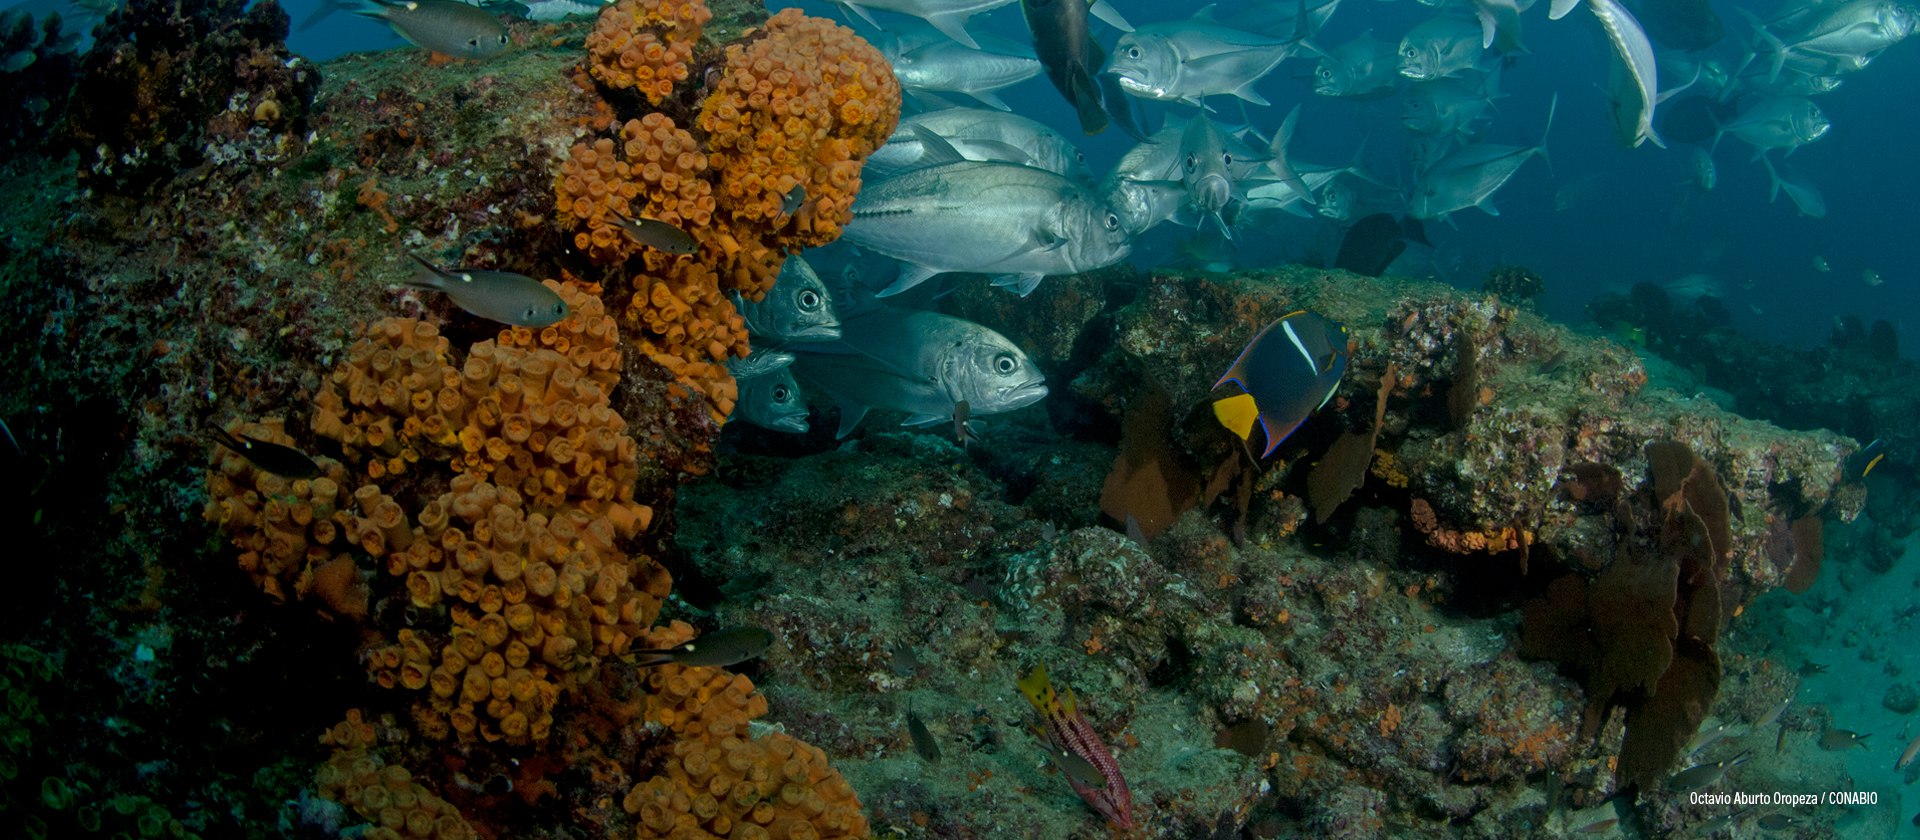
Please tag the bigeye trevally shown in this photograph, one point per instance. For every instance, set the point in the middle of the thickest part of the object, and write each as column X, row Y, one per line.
column 1635, row 52
column 922, row 363
column 1364, row 68
column 1289, row 370
column 1470, row 175
column 979, row 134
column 1806, row 197
column 797, row 308
column 1004, row 219
column 1187, row 60
column 1441, row 46
column 503, row 296
column 769, row 398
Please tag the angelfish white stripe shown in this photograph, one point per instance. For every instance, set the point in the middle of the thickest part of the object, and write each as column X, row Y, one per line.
column 1312, row 368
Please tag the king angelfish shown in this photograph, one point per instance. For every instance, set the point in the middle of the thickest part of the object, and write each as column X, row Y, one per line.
column 1290, row 370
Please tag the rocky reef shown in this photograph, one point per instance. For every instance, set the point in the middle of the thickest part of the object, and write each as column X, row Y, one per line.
column 1398, row 625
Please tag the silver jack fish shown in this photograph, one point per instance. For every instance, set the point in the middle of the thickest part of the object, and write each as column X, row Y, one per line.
column 979, row 134
column 1699, row 166
column 948, row 67
column 1442, row 46
column 1777, row 122
column 1448, row 107
column 1363, row 68
column 1471, row 175
column 771, row 400
column 949, row 16
column 1204, row 169
column 1630, row 45
column 1804, row 194
column 922, row 363
column 1013, row 221
column 1190, row 59
column 1858, row 30
column 797, row 308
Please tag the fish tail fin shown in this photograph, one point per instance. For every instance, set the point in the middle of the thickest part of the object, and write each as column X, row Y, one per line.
column 1551, row 108
column 322, row 12
column 1038, row 690
column 426, row 275
column 1279, row 166
column 224, row 438
column 1774, row 43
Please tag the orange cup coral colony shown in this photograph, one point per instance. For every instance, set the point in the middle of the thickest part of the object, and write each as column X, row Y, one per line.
column 798, row 106
column 645, row 45
column 283, row 528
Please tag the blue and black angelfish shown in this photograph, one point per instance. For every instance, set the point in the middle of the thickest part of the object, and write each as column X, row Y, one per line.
column 1288, row 371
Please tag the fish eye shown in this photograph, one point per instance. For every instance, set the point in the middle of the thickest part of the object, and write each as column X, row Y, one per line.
column 1133, row 52
column 474, row 42
column 1227, row 158
column 1192, row 161
column 1326, row 73
column 780, row 393
column 809, row 300
column 1113, row 221
column 1005, row 364
column 1080, row 156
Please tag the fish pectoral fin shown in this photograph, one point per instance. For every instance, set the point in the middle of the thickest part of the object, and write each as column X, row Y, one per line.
column 911, row 275
column 954, row 25
column 1109, row 15
column 1023, row 283
column 864, row 14
column 930, row 101
column 990, row 99
column 851, row 413
column 1247, row 92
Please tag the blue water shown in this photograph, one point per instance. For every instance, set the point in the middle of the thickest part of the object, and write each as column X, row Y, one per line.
column 1640, row 222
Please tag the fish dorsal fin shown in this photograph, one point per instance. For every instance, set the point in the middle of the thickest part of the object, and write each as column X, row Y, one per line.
column 1206, row 13
column 954, row 25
